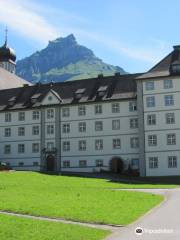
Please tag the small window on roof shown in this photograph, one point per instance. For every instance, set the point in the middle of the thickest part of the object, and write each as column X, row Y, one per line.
column 79, row 93
column 35, row 97
column 11, row 101
column 102, row 90
column 175, row 69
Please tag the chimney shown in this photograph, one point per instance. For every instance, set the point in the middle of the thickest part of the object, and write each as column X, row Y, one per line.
column 100, row 76
column 177, row 47
column 117, row 74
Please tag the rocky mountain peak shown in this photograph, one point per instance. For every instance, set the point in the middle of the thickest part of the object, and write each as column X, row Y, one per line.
column 70, row 39
column 62, row 59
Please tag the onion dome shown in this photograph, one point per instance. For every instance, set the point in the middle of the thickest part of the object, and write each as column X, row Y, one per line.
column 7, row 53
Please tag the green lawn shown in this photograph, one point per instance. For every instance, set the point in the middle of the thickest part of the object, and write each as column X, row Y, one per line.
column 83, row 199
column 15, row 228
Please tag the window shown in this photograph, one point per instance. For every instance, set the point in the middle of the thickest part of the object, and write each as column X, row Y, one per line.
column 169, row 100
column 7, row 132
column 150, row 101
column 21, row 131
column 35, row 130
column 65, row 112
column 132, row 106
column 82, row 163
column 21, row 148
column 7, row 117
column 79, row 93
column 170, row 118
column 152, row 140
column 172, row 162
column 66, row 146
column 7, row 149
column 82, row 145
column 175, row 69
column 153, row 162
column 50, row 129
column 50, row 146
column 21, row 116
column 116, row 124
column 35, row 164
column 35, row 147
column 81, row 110
column 171, row 139
column 151, row 119
column 116, row 143
column 98, row 126
column 115, row 108
column 35, row 115
column 99, row 163
column 102, row 90
column 66, row 164
column 50, row 113
column 98, row 109
column 134, row 123
column 21, row 164
column 134, row 142
column 50, row 98
column 135, row 163
column 82, row 127
column 99, row 144
column 149, row 85
column 168, row 83
column 66, row 128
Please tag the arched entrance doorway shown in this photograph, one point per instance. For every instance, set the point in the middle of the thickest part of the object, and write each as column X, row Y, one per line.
column 50, row 162
column 116, row 164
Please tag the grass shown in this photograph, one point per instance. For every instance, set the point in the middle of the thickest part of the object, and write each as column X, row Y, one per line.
column 15, row 228
column 80, row 199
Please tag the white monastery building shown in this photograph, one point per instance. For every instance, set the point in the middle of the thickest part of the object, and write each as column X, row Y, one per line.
column 79, row 126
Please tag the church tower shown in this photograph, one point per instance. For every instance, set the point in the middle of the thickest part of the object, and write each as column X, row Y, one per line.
column 7, row 56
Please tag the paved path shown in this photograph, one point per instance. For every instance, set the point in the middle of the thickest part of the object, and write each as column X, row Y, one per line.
column 165, row 219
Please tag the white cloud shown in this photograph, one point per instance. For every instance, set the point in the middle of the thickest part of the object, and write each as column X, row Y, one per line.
column 21, row 17
column 28, row 18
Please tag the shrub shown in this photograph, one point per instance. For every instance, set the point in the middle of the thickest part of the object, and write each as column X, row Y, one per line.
column 4, row 166
column 131, row 172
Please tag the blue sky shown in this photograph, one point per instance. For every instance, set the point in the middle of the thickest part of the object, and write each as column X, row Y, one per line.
column 133, row 34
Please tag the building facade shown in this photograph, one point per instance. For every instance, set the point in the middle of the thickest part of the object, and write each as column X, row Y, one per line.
column 79, row 126
column 73, row 126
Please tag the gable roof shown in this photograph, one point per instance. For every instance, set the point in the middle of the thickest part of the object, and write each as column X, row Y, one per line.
column 118, row 87
column 10, row 80
column 163, row 68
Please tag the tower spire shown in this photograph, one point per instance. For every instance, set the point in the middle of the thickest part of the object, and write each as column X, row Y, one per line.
column 6, row 36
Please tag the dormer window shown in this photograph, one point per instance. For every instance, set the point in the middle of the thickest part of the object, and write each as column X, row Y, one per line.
column 11, row 101
column 35, row 97
column 79, row 93
column 102, row 91
column 175, row 69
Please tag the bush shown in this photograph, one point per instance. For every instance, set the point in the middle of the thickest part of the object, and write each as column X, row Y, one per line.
column 131, row 172
column 116, row 165
column 4, row 167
